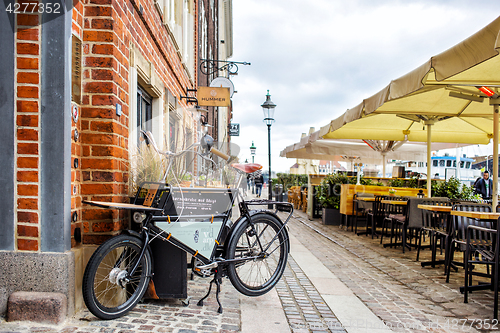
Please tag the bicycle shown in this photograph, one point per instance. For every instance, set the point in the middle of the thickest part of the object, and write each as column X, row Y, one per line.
column 251, row 251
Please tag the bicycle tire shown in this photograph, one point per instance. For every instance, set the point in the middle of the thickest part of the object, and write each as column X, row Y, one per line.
column 103, row 292
column 255, row 277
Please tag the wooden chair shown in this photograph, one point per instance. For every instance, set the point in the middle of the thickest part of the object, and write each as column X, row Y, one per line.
column 293, row 196
column 303, row 194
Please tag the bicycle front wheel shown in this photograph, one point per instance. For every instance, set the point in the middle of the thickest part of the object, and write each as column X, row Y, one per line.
column 108, row 290
column 263, row 249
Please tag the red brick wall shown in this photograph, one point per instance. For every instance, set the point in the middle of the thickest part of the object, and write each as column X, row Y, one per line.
column 27, row 111
column 108, row 27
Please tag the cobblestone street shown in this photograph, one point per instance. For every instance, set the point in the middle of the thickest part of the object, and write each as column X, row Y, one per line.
column 391, row 285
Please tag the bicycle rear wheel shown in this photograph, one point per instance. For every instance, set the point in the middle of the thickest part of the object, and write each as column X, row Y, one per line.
column 108, row 291
column 263, row 250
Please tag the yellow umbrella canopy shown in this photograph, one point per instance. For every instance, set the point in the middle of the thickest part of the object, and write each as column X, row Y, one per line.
column 443, row 100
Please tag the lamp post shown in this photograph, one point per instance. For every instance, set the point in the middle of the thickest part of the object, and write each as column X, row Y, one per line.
column 268, row 108
column 252, row 152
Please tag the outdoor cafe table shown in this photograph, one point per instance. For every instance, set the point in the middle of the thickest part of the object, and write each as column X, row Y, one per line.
column 394, row 202
column 437, row 209
column 477, row 215
column 366, row 199
column 480, row 216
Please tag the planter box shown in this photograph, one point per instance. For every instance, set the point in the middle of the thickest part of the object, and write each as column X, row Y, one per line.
column 331, row 216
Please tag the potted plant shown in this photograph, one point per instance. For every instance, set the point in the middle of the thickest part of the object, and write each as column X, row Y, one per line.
column 328, row 196
column 146, row 166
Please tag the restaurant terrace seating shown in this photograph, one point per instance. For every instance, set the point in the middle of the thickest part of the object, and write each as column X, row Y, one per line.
column 396, row 218
column 376, row 216
column 303, row 201
column 360, row 210
column 458, row 236
column 436, row 225
column 294, row 196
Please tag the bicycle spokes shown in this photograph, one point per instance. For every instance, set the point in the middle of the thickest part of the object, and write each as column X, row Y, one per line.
column 112, row 285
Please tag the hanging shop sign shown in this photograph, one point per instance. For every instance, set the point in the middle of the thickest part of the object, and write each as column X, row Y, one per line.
column 234, row 130
column 213, row 96
column 224, row 83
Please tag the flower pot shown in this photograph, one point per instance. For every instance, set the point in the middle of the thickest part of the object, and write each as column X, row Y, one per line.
column 185, row 183
column 331, row 216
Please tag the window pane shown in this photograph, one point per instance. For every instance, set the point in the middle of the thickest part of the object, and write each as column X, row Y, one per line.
column 172, row 133
column 144, row 112
column 448, row 163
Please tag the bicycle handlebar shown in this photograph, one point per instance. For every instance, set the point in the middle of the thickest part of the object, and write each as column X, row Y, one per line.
column 220, row 154
column 148, row 136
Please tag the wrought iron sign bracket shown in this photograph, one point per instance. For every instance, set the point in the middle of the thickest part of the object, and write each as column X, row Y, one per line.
column 190, row 99
column 208, row 66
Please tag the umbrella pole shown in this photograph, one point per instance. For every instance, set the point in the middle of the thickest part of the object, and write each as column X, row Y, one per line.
column 429, row 176
column 495, row 157
column 384, row 162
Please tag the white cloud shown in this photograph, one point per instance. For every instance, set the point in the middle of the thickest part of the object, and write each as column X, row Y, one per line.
column 319, row 58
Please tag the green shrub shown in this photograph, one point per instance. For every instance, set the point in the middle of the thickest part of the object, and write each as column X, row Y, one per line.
column 328, row 192
column 452, row 189
column 288, row 180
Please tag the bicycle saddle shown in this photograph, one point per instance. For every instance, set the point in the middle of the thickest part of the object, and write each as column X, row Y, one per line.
column 247, row 168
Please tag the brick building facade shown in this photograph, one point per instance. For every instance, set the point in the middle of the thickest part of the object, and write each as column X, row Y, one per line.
column 76, row 84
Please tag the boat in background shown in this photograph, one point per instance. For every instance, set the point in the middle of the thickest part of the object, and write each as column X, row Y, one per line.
column 444, row 167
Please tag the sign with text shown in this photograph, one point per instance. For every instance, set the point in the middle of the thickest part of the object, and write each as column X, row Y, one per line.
column 198, row 228
column 213, row 96
column 234, row 129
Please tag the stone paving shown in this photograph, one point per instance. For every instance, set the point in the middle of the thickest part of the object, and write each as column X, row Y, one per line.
column 392, row 284
column 156, row 316
column 304, row 307
column 407, row 297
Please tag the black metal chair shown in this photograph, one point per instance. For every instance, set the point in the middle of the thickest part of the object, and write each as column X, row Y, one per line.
column 376, row 216
column 437, row 225
column 397, row 218
column 360, row 210
column 459, row 233
column 482, row 249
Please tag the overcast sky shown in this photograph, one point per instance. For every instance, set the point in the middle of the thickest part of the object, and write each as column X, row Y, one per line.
column 319, row 58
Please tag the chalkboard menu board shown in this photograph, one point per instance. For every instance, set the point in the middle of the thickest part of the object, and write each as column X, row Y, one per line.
column 199, row 201
column 196, row 228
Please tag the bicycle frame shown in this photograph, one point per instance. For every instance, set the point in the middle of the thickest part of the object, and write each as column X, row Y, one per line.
column 197, row 220
column 151, row 230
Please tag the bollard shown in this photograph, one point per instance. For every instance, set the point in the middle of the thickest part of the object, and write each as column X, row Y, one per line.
column 278, row 192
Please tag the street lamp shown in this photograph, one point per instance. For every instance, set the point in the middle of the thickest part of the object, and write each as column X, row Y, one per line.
column 268, row 108
column 252, row 152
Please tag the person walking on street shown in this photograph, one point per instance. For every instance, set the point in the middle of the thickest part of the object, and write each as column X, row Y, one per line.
column 259, row 181
column 484, row 186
